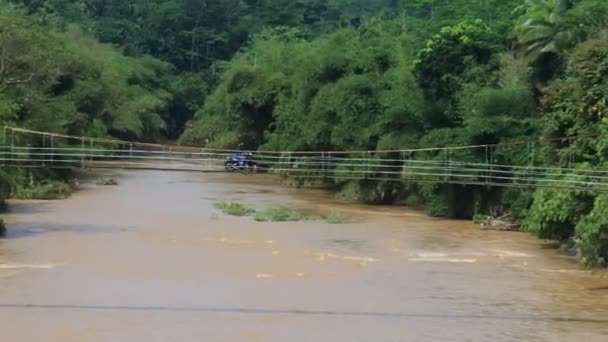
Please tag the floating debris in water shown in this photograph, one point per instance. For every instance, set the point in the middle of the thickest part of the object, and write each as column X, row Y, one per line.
column 231, row 241
column 351, row 258
column 449, row 260
column 323, row 256
column 107, row 182
column 564, row 271
column 511, row 254
column 264, row 276
column 26, row 266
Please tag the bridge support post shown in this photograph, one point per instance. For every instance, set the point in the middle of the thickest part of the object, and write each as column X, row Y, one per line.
column 571, row 153
column 323, row 165
column 532, row 147
column 12, row 144
column 450, row 164
column 445, row 163
column 369, row 164
column 43, row 150
column 487, row 165
column 52, row 150
column 491, row 163
column 4, row 147
column 403, row 172
column 328, row 166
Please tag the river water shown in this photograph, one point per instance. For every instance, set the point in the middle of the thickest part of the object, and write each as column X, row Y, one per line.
column 152, row 260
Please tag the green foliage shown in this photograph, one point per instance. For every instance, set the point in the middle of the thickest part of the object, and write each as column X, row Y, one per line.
column 435, row 14
column 234, row 208
column 576, row 105
column 331, row 75
column 587, row 18
column 189, row 92
column 284, row 214
column 242, row 104
column 6, row 185
column 592, row 234
column 336, row 218
column 68, row 82
column 48, row 190
column 350, row 89
column 438, row 205
column 555, row 214
column 279, row 214
column 194, row 34
column 541, row 30
column 479, row 218
column 492, row 114
column 370, row 192
column 517, row 202
column 442, row 65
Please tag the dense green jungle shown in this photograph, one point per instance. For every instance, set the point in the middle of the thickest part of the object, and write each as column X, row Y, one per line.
column 328, row 75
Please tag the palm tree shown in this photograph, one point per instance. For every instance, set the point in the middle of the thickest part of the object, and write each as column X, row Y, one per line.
column 541, row 29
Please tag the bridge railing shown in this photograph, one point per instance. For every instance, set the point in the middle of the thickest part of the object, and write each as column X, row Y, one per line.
column 489, row 165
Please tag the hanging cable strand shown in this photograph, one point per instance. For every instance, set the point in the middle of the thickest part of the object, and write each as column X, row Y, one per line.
column 475, row 165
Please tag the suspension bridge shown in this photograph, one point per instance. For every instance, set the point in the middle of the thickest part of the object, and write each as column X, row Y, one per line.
column 468, row 165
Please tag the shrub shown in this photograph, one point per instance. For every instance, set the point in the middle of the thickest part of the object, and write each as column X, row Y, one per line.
column 517, row 202
column 554, row 214
column 234, row 208
column 591, row 236
column 280, row 214
column 336, row 218
column 45, row 191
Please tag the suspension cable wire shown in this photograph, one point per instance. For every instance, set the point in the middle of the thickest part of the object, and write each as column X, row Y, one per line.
column 186, row 147
column 428, row 164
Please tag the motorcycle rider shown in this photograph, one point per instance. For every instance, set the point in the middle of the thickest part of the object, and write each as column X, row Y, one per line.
column 240, row 155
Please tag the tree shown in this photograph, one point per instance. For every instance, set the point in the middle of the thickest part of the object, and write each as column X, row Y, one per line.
column 541, row 29
column 451, row 58
column 577, row 105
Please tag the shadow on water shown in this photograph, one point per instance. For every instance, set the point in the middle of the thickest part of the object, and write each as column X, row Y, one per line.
column 29, row 229
column 342, row 244
column 550, row 245
column 29, row 208
column 258, row 311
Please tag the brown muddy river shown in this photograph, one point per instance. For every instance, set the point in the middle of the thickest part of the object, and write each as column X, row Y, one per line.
column 152, row 260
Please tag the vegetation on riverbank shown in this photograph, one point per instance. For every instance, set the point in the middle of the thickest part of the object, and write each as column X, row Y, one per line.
column 332, row 75
column 520, row 70
column 56, row 76
column 49, row 190
column 234, row 208
column 276, row 214
column 280, row 214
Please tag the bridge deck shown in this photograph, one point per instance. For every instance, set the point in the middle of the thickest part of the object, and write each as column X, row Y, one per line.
column 472, row 165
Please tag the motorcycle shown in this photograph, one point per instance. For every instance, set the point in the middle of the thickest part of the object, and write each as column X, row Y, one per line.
column 241, row 163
